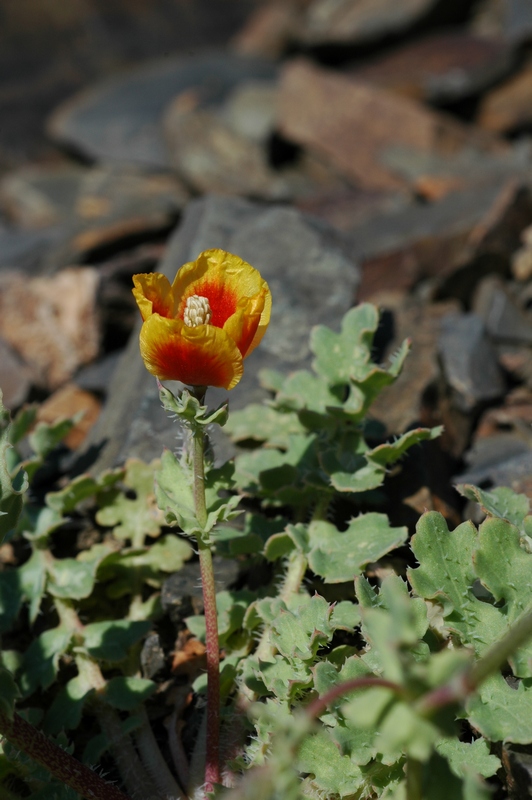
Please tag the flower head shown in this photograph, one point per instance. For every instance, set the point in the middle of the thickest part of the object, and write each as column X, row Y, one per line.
column 199, row 329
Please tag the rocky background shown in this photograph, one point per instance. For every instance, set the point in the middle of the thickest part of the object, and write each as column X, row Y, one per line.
column 350, row 149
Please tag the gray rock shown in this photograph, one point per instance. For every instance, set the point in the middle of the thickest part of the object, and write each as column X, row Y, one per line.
column 181, row 593
column 312, row 279
column 120, row 119
column 15, row 377
column 469, row 362
column 504, row 320
column 510, row 472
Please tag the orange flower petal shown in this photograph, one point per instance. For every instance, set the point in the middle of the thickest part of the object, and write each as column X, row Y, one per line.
column 242, row 326
column 154, row 295
column 222, row 278
column 201, row 356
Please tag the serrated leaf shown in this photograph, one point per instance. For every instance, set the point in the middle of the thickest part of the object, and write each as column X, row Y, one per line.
column 41, row 659
column 67, row 707
column 464, row 757
column 264, row 424
column 175, row 497
column 504, row 567
column 300, row 633
column 345, row 355
column 127, row 693
column 333, row 773
column 502, row 713
column 440, row 783
column 499, row 502
column 283, row 678
column 111, row 640
column 303, row 391
column 45, row 437
column 132, row 518
column 447, row 574
column 338, row 556
column 80, row 489
column 37, row 523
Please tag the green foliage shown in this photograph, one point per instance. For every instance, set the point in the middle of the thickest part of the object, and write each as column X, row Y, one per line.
column 341, row 662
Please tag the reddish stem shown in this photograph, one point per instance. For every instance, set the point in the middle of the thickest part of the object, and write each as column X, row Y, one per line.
column 61, row 765
column 319, row 705
column 212, row 762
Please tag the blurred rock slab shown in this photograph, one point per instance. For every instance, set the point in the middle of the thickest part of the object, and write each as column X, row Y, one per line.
column 441, row 67
column 120, row 119
column 507, row 108
column 455, row 241
column 353, row 124
column 511, row 19
column 400, row 405
column 270, row 29
column 90, row 209
column 67, row 402
column 15, row 376
column 505, row 320
column 312, row 278
column 360, row 22
column 51, row 322
column 469, row 362
column 24, row 250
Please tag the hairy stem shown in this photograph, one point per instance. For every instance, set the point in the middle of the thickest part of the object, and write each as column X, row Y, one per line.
column 60, row 764
column 318, row 706
column 212, row 761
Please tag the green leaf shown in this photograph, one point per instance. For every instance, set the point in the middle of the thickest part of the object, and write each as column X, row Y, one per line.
column 464, row 757
column 284, row 678
column 132, row 518
column 111, row 640
column 447, row 574
column 175, row 497
column 263, row 423
column 189, row 409
column 67, row 707
column 12, row 487
column 71, row 579
column 45, row 438
column 501, row 502
column 41, row 659
column 251, row 539
column 32, row 577
column 168, row 554
column 345, row 355
column 37, row 523
column 128, row 693
column 338, row 556
column 502, row 713
column 80, row 489
column 333, row 773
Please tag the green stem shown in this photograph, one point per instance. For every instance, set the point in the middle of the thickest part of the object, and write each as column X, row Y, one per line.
column 60, row 764
column 212, row 759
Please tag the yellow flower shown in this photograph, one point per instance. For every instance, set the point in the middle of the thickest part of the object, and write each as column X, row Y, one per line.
column 199, row 329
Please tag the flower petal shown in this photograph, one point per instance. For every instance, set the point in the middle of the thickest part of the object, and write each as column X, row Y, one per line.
column 154, row 295
column 242, row 326
column 201, row 356
column 220, row 277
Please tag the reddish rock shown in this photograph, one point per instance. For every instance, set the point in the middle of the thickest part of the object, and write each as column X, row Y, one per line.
column 441, row 67
column 51, row 322
column 353, row 124
column 507, row 107
column 66, row 402
column 269, row 29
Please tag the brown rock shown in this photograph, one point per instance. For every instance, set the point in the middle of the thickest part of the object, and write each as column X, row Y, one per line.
column 358, row 21
column 507, row 107
column 440, row 67
column 51, row 322
column 269, row 29
column 400, row 404
column 353, row 124
column 69, row 401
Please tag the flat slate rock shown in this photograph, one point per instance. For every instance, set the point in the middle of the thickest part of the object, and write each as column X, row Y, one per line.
column 120, row 119
column 441, row 67
column 469, row 362
column 507, row 108
column 312, row 278
column 363, row 124
column 359, row 22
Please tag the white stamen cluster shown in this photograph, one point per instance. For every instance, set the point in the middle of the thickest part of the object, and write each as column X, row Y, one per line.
column 197, row 311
